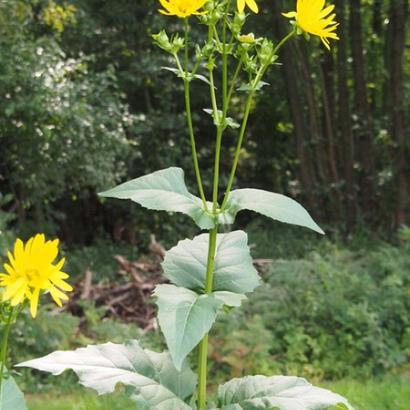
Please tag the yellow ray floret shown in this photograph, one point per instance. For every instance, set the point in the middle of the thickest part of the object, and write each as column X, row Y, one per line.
column 314, row 18
column 31, row 271
column 250, row 3
column 181, row 8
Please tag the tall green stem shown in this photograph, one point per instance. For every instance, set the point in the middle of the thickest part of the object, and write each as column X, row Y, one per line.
column 248, row 105
column 4, row 348
column 225, row 63
column 213, row 234
column 233, row 81
column 240, row 141
column 187, row 89
column 203, row 346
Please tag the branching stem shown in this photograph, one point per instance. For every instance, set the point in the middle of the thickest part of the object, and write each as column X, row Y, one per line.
column 187, row 92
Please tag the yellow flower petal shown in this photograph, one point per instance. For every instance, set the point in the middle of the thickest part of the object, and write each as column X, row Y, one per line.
column 9, row 269
column 290, row 15
column 240, row 4
column 31, row 271
column 19, row 249
column 13, row 288
column 57, row 295
column 314, row 18
column 60, row 264
column 18, row 296
column 62, row 285
column 252, row 5
column 181, row 8
column 34, row 302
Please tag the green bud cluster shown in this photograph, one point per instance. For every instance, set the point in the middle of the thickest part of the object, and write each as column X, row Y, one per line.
column 170, row 45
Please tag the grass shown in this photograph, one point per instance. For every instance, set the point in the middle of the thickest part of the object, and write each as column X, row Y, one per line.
column 83, row 399
column 390, row 393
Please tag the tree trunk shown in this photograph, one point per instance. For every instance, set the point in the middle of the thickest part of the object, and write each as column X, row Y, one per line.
column 296, row 105
column 344, row 120
column 326, row 76
column 364, row 130
column 314, row 129
column 375, row 51
column 398, row 15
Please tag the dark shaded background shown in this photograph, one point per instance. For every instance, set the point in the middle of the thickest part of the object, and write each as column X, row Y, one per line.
column 85, row 105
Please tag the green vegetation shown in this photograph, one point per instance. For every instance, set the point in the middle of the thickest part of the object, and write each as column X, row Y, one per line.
column 330, row 313
column 84, row 104
column 390, row 393
column 80, row 400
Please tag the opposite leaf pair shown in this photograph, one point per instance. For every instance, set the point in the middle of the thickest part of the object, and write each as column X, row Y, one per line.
column 185, row 313
column 166, row 190
column 155, row 384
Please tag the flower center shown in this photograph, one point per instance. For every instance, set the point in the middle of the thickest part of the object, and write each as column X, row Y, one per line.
column 32, row 274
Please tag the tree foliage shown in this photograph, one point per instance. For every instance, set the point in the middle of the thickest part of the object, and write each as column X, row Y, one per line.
column 82, row 85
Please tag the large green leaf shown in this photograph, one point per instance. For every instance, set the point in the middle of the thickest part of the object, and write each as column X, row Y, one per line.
column 156, row 381
column 275, row 206
column 164, row 190
column 11, row 396
column 184, row 317
column 276, row 393
column 185, row 264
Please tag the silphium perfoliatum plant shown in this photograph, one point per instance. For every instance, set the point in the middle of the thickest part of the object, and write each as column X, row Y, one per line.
column 214, row 270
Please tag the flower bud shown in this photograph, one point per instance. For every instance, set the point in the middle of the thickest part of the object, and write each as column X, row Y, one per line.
column 162, row 41
column 237, row 24
column 266, row 55
column 247, row 38
column 177, row 44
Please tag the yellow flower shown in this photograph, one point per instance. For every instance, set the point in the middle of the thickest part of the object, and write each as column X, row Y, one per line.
column 313, row 17
column 247, row 38
column 250, row 3
column 181, row 8
column 31, row 271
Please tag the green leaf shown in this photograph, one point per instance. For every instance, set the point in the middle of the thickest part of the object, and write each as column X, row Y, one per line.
column 276, row 393
column 202, row 78
column 11, row 396
column 176, row 71
column 275, row 206
column 229, row 298
column 185, row 264
column 184, row 317
column 218, row 121
column 152, row 375
column 250, row 87
column 164, row 190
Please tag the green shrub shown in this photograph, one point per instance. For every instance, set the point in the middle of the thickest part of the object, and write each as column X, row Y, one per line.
column 336, row 314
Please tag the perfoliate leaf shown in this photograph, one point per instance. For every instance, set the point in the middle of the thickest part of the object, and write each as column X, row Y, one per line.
column 164, row 190
column 275, row 206
column 185, row 264
column 152, row 375
column 184, row 317
column 229, row 298
column 11, row 396
column 202, row 78
column 249, row 87
column 231, row 123
column 218, row 121
column 176, row 71
column 276, row 393
column 190, row 76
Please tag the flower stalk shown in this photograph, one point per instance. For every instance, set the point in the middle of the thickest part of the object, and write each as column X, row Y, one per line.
column 187, row 92
column 4, row 347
